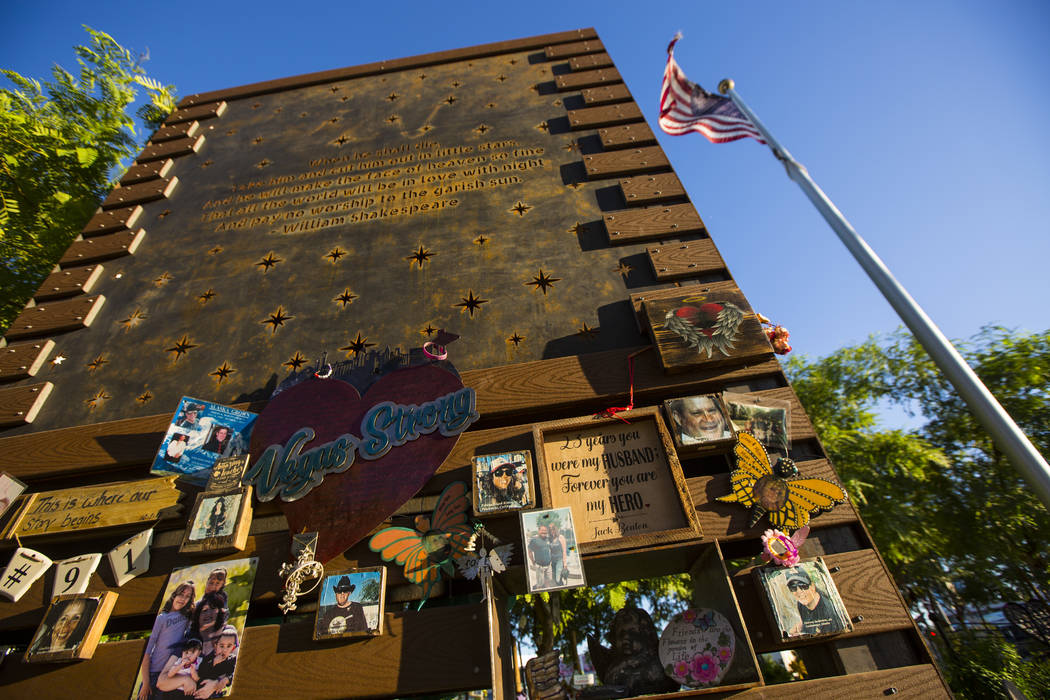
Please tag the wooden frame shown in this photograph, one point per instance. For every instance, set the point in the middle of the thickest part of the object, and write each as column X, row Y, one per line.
column 687, row 444
column 207, row 531
column 81, row 632
column 490, row 504
column 355, row 578
column 606, row 521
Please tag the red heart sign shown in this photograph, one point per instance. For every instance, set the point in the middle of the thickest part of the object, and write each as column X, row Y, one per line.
column 346, row 506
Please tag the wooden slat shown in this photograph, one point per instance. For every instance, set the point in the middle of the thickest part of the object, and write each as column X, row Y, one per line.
column 171, row 149
column 629, row 161
column 590, row 62
column 68, row 283
column 863, row 584
column 141, row 193
column 678, row 260
column 651, row 189
column 197, row 112
column 112, row 245
column 650, row 294
column 412, row 656
column 907, row 682
column 113, row 220
column 23, row 359
column 613, row 138
column 147, row 171
column 608, row 94
column 55, row 317
column 20, row 404
column 175, row 131
column 576, row 48
column 587, row 79
column 577, row 383
column 610, row 115
column 632, row 225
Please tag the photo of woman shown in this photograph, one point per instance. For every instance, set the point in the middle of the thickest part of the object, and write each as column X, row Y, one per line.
column 64, row 626
column 10, row 489
column 502, row 482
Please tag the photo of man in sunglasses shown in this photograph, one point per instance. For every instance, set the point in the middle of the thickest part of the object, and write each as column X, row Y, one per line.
column 502, row 482
column 817, row 615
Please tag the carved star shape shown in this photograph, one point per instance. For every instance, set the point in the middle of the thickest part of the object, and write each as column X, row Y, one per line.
column 182, row 346
column 481, row 128
column 341, row 140
column 471, row 303
column 276, row 319
column 428, row 331
column 206, row 297
column 162, row 280
column 269, row 261
column 134, row 318
column 263, row 163
column 543, row 282
column 501, row 77
column 571, row 147
column 422, row 76
column 216, row 250
column 97, row 399
column 587, row 332
column 516, row 339
column 145, row 397
column 392, row 118
column 335, row 254
column 97, row 362
column 333, row 120
column 456, row 83
column 223, row 372
column 543, row 126
column 295, row 361
column 426, row 128
column 393, row 96
column 520, row 208
column 59, row 359
column 623, row 269
column 420, row 257
column 481, row 240
column 334, row 88
column 357, row 345
column 450, row 99
column 347, row 297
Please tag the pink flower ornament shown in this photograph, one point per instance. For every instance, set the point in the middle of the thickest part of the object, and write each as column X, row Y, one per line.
column 778, row 548
column 705, row 667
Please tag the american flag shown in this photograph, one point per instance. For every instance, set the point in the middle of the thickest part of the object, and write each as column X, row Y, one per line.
column 685, row 107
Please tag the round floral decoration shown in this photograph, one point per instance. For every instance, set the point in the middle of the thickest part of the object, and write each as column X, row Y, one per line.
column 696, row 647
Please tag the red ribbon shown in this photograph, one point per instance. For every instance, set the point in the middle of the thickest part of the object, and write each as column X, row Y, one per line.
column 613, row 410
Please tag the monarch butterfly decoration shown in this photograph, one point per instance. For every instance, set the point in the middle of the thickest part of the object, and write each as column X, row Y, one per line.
column 771, row 489
column 429, row 549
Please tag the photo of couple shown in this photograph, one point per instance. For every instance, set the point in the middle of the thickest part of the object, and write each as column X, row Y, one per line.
column 193, row 647
column 550, row 542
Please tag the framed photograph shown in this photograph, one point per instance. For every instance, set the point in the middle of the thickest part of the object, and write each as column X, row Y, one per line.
column 10, row 489
column 196, row 637
column 622, row 480
column 199, row 434
column 765, row 418
column 219, row 522
column 699, row 422
column 552, row 556
column 71, row 627
column 802, row 600
column 503, row 482
column 351, row 604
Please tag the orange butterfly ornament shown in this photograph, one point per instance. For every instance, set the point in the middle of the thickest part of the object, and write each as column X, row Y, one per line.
column 772, row 489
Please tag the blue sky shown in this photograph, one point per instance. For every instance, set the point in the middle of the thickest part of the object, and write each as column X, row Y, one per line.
column 924, row 122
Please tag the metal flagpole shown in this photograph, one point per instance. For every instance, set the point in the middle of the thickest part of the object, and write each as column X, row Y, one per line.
column 1014, row 444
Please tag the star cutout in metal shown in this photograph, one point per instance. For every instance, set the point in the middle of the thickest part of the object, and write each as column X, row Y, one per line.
column 144, row 397
column 578, row 228
column 481, row 240
column 277, row 318
column 520, row 208
column 97, row 362
column 571, row 147
column 543, row 282
column 134, row 318
column 342, row 139
column 419, row 257
column 223, row 372
column 182, row 346
column 263, row 163
column 501, row 77
column 426, row 127
column 206, row 297
column 216, row 250
column 481, row 128
column 543, row 126
column 422, row 76
column 587, row 332
column 162, row 280
column 450, row 99
column 347, row 297
column 59, row 359
column 491, row 105
column 623, row 269
column 295, row 361
column 456, row 83
column 471, row 303
column 164, row 214
column 392, row 118
column 257, row 140
column 393, row 96
column 428, row 331
column 208, row 163
column 575, row 185
column 335, row 254
column 97, row 399
column 269, row 261
column 333, row 120
column 357, row 345
column 515, row 339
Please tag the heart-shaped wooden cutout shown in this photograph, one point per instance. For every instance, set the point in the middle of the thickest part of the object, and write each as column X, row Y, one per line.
column 346, row 507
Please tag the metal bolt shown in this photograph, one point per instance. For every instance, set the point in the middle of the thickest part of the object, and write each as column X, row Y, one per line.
column 662, row 269
column 890, row 691
column 834, row 569
column 858, row 618
column 692, row 264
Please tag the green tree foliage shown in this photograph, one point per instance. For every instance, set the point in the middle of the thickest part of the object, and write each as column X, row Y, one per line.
column 61, row 142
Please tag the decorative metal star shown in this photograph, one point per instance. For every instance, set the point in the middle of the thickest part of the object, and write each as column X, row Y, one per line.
column 357, row 345
column 501, row 77
column 543, row 126
column 335, row 254
column 277, row 318
column 456, row 83
column 97, row 362
column 295, row 361
column 428, row 331
column 481, row 128
column 516, row 339
column 623, row 269
column 450, row 99
column 334, row 88
column 543, row 282
column 59, row 359
column 223, row 372
column 162, row 280
column 481, row 240
column 422, row 76
column 420, row 257
column 393, row 96
column 206, row 297
column 97, row 399
column 571, row 147
column 347, row 297
column 587, row 332
column 471, row 303
column 182, row 346
column 134, row 318
column 145, row 397
column 520, row 208
column 342, row 139
column 269, row 261
column 392, row 118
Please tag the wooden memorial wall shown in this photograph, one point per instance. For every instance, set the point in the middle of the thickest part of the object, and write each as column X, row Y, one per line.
column 510, row 193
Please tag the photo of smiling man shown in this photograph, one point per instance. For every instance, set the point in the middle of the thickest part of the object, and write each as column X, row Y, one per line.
column 698, row 420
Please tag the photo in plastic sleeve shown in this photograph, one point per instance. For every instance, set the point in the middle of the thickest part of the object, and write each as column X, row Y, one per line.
column 216, row 516
column 10, row 489
column 72, row 627
column 196, row 638
column 200, row 433
column 553, row 558
column 351, row 604
column 698, row 420
column 503, row 482
column 766, row 419
column 803, row 600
